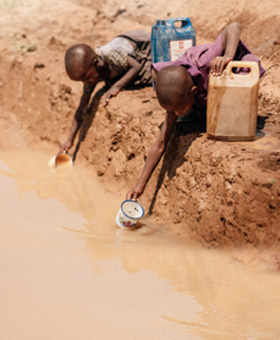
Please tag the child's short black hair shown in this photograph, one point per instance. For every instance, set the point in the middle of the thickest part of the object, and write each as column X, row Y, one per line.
column 173, row 84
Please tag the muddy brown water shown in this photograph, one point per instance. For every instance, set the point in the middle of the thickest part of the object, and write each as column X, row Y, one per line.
column 68, row 272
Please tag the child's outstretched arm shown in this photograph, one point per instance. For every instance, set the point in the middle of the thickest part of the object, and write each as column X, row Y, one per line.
column 154, row 156
column 129, row 76
column 76, row 123
column 230, row 38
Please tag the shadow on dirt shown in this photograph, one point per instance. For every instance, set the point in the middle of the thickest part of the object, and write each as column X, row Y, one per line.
column 88, row 118
column 186, row 131
column 261, row 121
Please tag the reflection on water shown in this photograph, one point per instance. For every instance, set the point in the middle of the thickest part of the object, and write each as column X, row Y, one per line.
column 67, row 271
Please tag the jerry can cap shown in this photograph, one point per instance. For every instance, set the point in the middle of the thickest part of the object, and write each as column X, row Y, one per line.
column 160, row 22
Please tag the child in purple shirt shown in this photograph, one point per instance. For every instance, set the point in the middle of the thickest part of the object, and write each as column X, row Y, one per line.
column 182, row 84
column 197, row 61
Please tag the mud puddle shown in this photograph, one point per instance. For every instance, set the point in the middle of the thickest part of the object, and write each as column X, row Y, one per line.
column 67, row 271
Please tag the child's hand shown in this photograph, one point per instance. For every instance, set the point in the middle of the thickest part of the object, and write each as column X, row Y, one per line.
column 135, row 193
column 218, row 64
column 66, row 146
column 112, row 92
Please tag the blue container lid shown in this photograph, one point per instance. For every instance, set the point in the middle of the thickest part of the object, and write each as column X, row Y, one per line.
column 160, row 22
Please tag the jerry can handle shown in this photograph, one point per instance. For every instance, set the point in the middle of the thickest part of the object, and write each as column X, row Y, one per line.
column 185, row 21
column 252, row 65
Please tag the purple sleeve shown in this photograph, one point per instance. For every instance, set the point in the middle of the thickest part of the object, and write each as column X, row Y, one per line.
column 213, row 50
column 217, row 50
column 161, row 64
column 197, row 57
column 243, row 53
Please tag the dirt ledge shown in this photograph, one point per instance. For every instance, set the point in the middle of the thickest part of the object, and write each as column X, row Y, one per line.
column 215, row 193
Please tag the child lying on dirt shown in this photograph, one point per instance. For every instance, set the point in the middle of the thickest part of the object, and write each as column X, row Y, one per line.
column 124, row 61
column 182, row 85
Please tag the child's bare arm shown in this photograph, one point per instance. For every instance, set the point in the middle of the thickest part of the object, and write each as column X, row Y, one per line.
column 129, row 76
column 76, row 123
column 230, row 36
column 154, row 156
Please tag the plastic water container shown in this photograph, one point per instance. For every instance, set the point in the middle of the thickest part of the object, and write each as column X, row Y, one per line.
column 169, row 41
column 232, row 102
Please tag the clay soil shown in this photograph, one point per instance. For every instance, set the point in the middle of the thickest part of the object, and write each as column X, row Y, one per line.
column 217, row 194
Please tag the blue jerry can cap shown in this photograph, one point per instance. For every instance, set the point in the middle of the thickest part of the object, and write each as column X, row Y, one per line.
column 160, row 22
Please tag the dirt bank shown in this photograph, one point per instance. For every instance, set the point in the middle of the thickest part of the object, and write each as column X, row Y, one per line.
column 217, row 194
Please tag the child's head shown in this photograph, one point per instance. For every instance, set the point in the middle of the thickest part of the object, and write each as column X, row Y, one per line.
column 81, row 64
column 175, row 89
